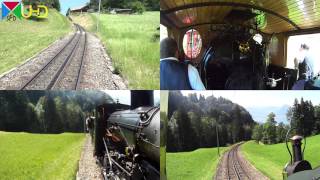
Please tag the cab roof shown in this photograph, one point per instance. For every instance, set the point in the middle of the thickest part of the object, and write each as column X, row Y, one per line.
column 273, row 16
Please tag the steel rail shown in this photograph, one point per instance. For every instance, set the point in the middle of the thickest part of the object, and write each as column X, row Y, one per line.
column 235, row 164
column 81, row 63
column 26, row 84
column 59, row 75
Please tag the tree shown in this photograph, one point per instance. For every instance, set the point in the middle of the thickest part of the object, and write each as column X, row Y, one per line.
column 308, row 118
column 56, row 5
column 236, row 119
column 302, row 117
column 47, row 112
column 316, row 129
column 281, row 132
column 195, row 123
column 296, row 118
column 257, row 132
column 137, row 7
column 269, row 129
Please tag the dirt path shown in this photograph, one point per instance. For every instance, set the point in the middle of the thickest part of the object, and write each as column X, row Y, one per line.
column 97, row 71
column 233, row 165
column 88, row 169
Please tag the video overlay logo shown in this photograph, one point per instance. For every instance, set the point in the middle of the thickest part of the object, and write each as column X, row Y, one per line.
column 11, row 10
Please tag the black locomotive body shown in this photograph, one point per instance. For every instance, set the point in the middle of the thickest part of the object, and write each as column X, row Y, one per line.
column 127, row 141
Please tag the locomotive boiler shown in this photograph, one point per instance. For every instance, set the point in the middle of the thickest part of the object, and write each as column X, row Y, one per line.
column 127, row 139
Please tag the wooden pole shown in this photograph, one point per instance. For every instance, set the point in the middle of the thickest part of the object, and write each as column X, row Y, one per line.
column 217, row 137
column 99, row 15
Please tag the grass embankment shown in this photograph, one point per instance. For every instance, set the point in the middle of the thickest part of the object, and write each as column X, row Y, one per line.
column 39, row 156
column 198, row 164
column 130, row 41
column 86, row 20
column 21, row 39
column 271, row 159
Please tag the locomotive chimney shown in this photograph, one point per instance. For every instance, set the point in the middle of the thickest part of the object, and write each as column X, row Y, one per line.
column 296, row 148
column 141, row 98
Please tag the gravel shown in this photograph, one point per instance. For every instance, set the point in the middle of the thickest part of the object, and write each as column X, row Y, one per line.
column 97, row 72
column 246, row 166
column 88, row 169
column 97, row 68
column 16, row 77
column 47, row 75
column 69, row 77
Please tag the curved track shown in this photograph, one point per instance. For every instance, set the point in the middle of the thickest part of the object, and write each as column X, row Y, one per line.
column 64, row 70
column 234, row 167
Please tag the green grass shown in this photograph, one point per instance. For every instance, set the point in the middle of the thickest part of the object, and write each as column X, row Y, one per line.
column 198, row 164
column 38, row 156
column 129, row 41
column 162, row 159
column 271, row 159
column 21, row 39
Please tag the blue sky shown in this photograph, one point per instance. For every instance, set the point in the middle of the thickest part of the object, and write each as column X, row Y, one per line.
column 65, row 4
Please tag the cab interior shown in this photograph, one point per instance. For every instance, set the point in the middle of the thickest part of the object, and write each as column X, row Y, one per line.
column 241, row 44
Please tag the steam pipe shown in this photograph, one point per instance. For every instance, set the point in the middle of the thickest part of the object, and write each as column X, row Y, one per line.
column 107, row 151
column 296, row 148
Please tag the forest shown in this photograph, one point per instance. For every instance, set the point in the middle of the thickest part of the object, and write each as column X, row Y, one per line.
column 303, row 118
column 136, row 5
column 48, row 111
column 198, row 121
column 195, row 122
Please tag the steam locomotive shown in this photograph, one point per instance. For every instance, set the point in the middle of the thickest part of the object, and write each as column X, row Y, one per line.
column 298, row 168
column 127, row 139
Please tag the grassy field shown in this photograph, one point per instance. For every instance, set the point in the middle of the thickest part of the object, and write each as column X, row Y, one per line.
column 130, row 41
column 22, row 39
column 38, row 156
column 198, row 164
column 162, row 159
column 271, row 159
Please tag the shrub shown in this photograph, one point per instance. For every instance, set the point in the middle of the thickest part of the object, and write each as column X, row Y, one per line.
column 137, row 7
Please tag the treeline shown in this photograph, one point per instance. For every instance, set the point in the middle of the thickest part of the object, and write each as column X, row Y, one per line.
column 138, row 6
column 48, row 111
column 304, row 119
column 49, row 3
column 195, row 122
column 270, row 132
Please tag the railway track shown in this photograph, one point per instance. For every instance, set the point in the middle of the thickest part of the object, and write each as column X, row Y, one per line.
column 234, row 167
column 64, row 69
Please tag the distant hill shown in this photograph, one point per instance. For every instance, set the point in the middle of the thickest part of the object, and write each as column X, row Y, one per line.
column 195, row 122
column 260, row 114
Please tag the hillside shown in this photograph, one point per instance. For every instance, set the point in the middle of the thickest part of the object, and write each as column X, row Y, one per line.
column 199, row 164
column 195, row 122
column 39, row 156
column 271, row 159
column 23, row 39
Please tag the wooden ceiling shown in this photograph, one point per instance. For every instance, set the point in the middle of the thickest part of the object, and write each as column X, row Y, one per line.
column 275, row 15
